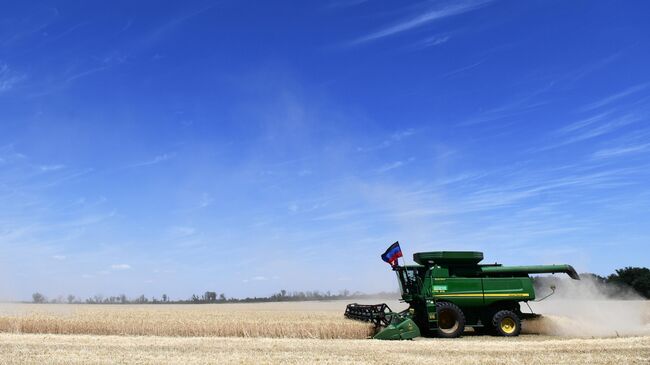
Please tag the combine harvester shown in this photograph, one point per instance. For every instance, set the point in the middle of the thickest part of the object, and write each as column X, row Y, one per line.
column 449, row 290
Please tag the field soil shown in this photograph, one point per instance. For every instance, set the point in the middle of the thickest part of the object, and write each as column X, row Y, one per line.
column 299, row 332
column 528, row 349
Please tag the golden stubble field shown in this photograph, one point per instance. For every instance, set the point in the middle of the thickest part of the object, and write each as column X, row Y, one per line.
column 306, row 332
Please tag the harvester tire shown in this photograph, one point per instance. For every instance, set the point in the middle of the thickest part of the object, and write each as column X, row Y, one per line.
column 451, row 320
column 506, row 323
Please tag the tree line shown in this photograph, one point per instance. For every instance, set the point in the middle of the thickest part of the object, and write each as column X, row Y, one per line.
column 211, row 297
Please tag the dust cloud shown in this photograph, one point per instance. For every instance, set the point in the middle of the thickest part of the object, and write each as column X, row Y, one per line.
column 588, row 308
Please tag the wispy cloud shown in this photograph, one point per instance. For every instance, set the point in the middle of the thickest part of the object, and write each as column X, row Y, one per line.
column 390, row 166
column 593, row 127
column 422, row 19
column 394, row 165
column 577, row 74
column 206, row 200
column 69, row 78
column 160, row 32
column 611, row 125
column 583, row 123
column 181, row 231
column 260, row 278
column 392, row 139
column 120, row 267
column 344, row 214
column 515, row 106
column 432, row 41
column 462, row 69
column 614, row 97
column 9, row 78
column 82, row 74
column 156, row 160
column 46, row 168
column 345, row 3
column 622, row 151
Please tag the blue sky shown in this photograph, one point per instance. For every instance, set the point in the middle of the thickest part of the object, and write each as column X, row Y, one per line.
column 245, row 147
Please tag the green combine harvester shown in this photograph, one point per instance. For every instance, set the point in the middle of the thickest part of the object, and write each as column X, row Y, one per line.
column 449, row 290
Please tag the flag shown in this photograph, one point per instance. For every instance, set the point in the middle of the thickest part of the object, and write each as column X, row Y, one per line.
column 392, row 254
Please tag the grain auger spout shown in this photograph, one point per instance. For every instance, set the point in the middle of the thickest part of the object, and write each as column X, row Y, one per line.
column 448, row 291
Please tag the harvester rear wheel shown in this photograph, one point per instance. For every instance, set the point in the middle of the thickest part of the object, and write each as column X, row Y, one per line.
column 451, row 320
column 506, row 323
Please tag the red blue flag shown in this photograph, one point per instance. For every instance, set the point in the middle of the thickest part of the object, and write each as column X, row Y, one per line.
column 392, row 254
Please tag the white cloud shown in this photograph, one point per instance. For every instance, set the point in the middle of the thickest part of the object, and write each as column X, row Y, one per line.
column 422, row 19
column 593, row 127
column 614, row 97
column 256, row 278
column 8, row 78
column 206, row 200
column 394, row 165
column 46, row 168
column 120, row 267
column 59, row 257
column 391, row 166
column 623, row 150
column 392, row 139
column 156, row 160
column 431, row 42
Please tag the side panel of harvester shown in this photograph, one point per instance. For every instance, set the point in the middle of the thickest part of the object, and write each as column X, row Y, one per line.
column 464, row 292
column 507, row 289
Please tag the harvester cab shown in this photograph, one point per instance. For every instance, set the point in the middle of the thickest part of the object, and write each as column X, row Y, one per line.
column 448, row 291
column 410, row 280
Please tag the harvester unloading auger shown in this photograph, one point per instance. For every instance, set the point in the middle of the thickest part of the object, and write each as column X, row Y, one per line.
column 449, row 290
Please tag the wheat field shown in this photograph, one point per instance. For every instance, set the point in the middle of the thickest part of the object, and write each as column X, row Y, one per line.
column 323, row 320
column 293, row 333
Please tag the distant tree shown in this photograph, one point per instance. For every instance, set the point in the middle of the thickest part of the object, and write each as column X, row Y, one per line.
column 210, row 296
column 164, row 298
column 71, row 299
column 638, row 278
column 222, row 297
column 38, row 298
column 195, row 298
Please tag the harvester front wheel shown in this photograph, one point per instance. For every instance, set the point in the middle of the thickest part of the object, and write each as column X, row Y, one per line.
column 506, row 323
column 451, row 320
